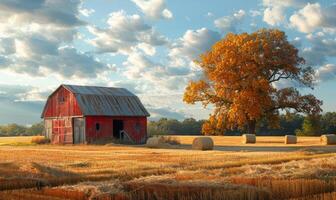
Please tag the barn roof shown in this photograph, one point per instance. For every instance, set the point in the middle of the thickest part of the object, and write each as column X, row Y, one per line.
column 107, row 101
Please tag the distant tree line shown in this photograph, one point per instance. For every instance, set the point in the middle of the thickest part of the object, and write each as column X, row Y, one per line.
column 290, row 124
column 165, row 126
column 19, row 130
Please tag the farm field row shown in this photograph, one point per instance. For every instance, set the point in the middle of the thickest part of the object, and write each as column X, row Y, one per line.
column 136, row 172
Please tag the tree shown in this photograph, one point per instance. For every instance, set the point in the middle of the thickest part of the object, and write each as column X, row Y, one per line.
column 239, row 76
column 36, row 129
column 328, row 123
column 166, row 126
column 311, row 126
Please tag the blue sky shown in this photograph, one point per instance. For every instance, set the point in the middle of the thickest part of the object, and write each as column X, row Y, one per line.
column 146, row 46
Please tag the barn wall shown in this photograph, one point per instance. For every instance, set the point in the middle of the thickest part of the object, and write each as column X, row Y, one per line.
column 61, row 130
column 56, row 107
column 136, row 127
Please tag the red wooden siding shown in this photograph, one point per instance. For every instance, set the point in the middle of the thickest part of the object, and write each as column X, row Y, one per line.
column 134, row 126
column 62, row 131
column 56, row 107
column 62, row 106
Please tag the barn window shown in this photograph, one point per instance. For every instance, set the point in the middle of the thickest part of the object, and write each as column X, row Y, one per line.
column 61, row 99
column 97, row 126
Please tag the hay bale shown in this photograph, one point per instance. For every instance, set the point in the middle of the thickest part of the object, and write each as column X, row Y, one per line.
column 155, row 142
column 249, row 139
column 203, row 143
column 328, row 139
column 290, row 139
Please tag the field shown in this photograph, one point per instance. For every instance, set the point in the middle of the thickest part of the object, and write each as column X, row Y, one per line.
column 266, row 170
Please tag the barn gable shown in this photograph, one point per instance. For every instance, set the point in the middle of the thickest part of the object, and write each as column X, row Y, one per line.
column 61, row 103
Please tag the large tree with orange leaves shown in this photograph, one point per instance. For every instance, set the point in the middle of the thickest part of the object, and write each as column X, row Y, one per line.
column 239, row 77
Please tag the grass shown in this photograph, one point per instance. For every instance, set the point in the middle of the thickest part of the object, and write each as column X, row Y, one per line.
column 16, row 141
column 134, row 172
column 267, row 141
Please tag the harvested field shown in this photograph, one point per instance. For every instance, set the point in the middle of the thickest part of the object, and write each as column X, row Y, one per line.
column 137, row 172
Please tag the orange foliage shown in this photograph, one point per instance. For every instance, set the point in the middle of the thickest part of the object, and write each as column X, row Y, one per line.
column 239, row 75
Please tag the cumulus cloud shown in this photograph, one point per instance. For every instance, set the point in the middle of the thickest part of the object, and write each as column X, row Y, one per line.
column 313, row 16
column 125, row 32
column 57, row 12
column 33, row 36
column 321, row 49
column 229, row 23
column 193, row 43
column 157, row 76
column 274, row 13
column 326, row 73
column 307, row 19
column 174, row 71
column 155, row 9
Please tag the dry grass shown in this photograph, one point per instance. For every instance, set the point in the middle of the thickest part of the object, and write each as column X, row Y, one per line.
column 40, row 140
column 15, row 141
column 261, row 141
column 135, row 172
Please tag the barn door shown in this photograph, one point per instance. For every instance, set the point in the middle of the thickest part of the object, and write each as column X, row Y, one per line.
column 79, row 131
column 48, row 128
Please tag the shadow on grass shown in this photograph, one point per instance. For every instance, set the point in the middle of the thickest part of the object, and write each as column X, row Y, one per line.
column 248, row 148
column 54, row 172
column 315, row 149
column 8, row 165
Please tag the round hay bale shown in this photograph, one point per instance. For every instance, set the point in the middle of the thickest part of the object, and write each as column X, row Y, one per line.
column 155, row 142
column 328, row 139
column 290, row 139
column 203, row 143
column 249, row 138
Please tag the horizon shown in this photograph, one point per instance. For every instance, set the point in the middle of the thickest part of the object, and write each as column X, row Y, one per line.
column 147, row 47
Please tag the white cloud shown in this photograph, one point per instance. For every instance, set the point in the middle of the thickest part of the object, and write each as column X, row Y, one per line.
column 313, row 17
column 124, row 33
column 174, row 71
column 326, row 73
column 274, row 15
column 191, row 45
column 307, row 19
column 285, row 3
column 56, row 12
column 155, row 9
column 147, row 49
column 321, row 49
column 229, row 23
column 86, row 12
column 33, row 95
column 33, row 36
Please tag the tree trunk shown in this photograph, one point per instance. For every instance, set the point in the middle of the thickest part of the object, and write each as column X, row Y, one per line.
column 251, row 127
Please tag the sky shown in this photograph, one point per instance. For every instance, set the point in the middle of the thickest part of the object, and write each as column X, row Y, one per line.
column 146, row 46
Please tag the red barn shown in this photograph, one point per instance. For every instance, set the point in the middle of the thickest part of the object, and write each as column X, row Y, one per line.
column 84, row 114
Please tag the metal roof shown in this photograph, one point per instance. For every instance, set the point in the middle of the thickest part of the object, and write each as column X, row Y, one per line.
column 107, row 101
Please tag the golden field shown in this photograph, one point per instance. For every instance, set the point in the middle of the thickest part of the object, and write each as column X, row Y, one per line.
column 268, row 169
